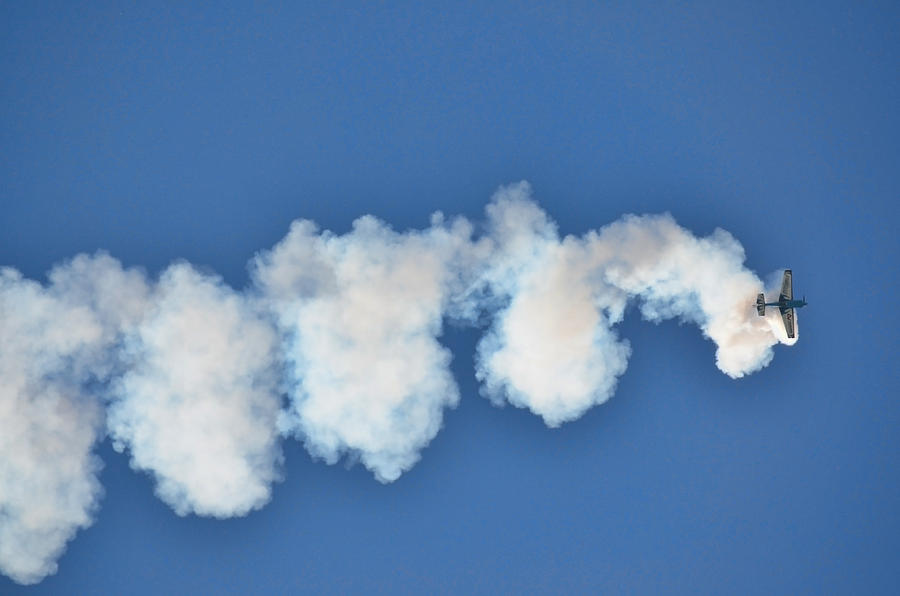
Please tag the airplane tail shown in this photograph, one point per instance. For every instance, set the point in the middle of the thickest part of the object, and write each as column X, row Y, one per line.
column 761, row 305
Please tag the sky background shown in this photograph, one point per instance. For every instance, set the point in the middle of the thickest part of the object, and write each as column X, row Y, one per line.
column 200, row 132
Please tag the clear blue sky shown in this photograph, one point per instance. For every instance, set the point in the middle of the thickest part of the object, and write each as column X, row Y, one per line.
column 200, row 132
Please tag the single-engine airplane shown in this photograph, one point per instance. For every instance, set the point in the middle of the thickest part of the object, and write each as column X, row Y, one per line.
column 786, row 303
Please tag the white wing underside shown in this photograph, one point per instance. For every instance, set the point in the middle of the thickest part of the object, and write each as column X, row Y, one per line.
column 787, row 315
column 787, row 291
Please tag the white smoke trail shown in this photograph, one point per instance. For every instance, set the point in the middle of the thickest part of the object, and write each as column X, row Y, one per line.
column 347, row 325
column 54, row 340
column 198, row 405
column 552, row 348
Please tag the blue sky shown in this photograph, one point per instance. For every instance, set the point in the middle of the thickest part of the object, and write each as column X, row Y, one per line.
column 201, row 132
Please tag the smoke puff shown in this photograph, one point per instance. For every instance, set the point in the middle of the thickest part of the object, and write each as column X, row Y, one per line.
column 360, row 314
column 549, row 347
column 198, row 405
column 54, row 341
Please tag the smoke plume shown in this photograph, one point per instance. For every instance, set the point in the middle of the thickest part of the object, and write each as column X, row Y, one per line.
column 336, row 343
column 198, row 402
column 55, row 341
column 360, row 315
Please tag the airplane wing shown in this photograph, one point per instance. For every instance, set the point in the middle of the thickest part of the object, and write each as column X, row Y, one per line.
column 787, row 291
column 787, row 315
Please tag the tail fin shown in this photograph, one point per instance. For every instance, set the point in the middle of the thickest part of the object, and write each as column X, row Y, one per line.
column 761, row 304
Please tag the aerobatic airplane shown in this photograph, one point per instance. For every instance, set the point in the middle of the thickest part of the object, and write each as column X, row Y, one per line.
column 786, row 303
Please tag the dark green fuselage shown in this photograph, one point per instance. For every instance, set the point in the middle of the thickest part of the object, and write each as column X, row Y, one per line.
column 784, row 303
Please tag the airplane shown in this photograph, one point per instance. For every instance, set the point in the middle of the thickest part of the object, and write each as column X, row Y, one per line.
column 786, row 303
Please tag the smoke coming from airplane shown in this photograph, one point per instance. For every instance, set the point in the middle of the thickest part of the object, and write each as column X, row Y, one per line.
column 552, row 347
column 334, row 343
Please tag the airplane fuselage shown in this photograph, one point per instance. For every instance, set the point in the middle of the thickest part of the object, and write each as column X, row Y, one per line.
column 788, row 303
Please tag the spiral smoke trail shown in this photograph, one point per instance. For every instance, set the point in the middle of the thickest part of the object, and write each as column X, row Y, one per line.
column 189, row 376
